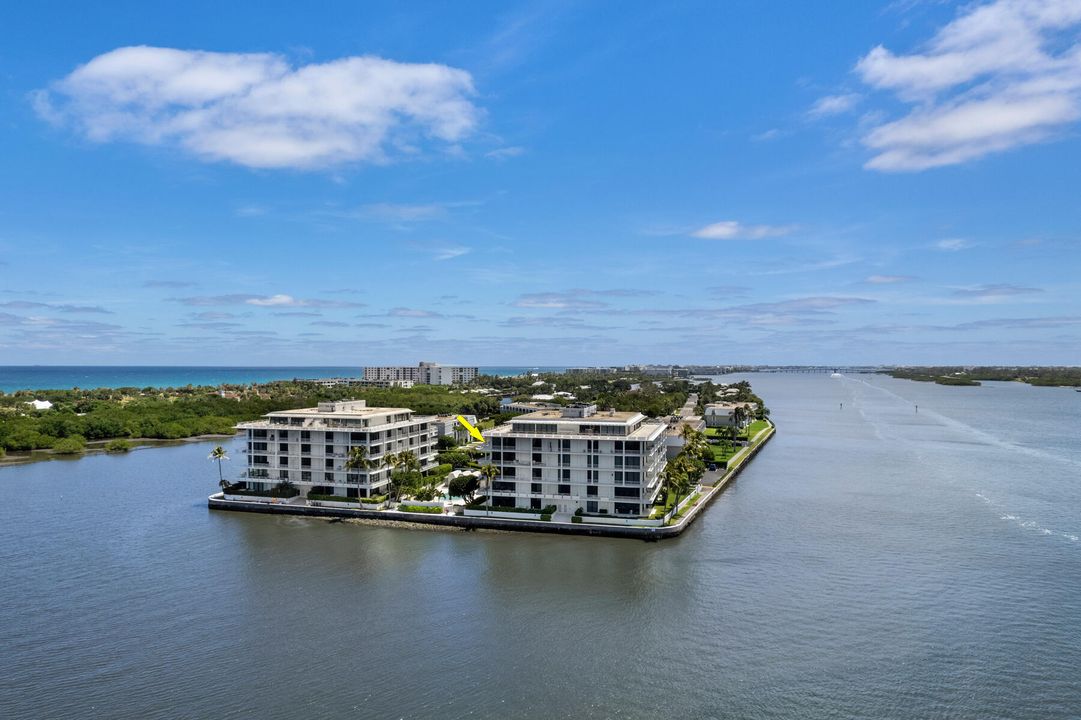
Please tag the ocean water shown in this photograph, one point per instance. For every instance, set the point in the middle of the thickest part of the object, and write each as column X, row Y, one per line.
column 872, row 562
column 53, row 377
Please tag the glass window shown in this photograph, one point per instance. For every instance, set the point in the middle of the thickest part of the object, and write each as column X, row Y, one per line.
column 564, row 490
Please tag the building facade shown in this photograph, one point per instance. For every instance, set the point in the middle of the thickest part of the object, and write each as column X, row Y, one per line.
column 426, row 373
column 310, row 447
column 575, row 457
column 723, row 414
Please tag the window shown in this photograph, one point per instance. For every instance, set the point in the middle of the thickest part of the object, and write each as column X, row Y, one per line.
column 633, row 446
column 626, row 508
column 328, row 463
column 258, row 460
column 508, row 472
column 628, row 492
column 258, row 433
column 537, row 473
column 305, row 435
column 535, row 504
column 329, row 477
column 305, row 462
column 565, row 445
column 591, row 506
column 305, row 476
column 632, row 478
column 591, row 491
column 356, row 438
column 283, row 447
column 592, row 476
column 499, row 486
column 329, row 450
column 536, row 443
column 565, row 459
column 305, row 449
column 497, row 442
column 535, row 488
column 502, row 502
column 537, row 457
column 564, row 490
column 283, row 462
column 565, row 474
column 283, row 474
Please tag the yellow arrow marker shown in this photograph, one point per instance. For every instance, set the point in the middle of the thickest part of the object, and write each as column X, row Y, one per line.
column 472, row 430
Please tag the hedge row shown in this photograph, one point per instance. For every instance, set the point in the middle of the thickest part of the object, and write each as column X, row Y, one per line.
column 421, row 509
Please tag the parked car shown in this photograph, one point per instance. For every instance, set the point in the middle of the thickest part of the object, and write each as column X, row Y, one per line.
column 712, row 466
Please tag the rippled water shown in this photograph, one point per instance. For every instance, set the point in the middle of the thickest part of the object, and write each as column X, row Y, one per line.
column 872, row 562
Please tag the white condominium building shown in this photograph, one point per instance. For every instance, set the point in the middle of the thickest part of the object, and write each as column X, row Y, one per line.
column 604, row 462
column 426, row 373
column 310, row 447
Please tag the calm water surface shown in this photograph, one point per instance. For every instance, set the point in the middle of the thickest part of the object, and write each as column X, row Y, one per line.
column 872, row 562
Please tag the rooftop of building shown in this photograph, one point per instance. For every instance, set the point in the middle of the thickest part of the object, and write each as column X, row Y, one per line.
column 604, row 416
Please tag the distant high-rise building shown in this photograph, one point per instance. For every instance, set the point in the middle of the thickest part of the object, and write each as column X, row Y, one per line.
column 426, row 373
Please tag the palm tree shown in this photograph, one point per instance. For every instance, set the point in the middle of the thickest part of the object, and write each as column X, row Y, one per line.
column 677, row 480
column 405, row 465
column 218, row 454
column 489, row 473
column 739, row 415
column 693, row 440
column 358, row 460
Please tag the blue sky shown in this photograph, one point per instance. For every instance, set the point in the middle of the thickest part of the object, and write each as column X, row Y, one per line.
column 548, row 183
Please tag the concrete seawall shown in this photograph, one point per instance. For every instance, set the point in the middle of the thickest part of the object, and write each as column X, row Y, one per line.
column 218, row 502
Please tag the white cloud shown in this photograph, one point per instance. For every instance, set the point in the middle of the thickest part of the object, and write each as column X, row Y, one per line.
column 887, row 279
column 953, row 244
column 257, row 110
column 733, row 230
column 505, row 152
column 451, row 252
column 833, row 105
column 1001, row 75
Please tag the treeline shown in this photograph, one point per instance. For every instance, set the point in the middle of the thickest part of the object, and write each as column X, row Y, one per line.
column 190, row 411
column 953, row 375
column 626, row 391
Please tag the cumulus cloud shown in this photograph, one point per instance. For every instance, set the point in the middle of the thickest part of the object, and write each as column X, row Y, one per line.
column 733, row 230
column 833, row 105
column 257, row 110
column 1001, row 75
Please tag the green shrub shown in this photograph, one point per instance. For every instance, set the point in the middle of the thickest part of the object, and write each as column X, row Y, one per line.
column 580, row 511
column 70, row 445
column 576, row 518
column 421, row 509
column 118, row 445
column 546, row 516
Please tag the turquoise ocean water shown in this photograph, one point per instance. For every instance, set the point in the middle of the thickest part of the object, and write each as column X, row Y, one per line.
column 54, row 377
